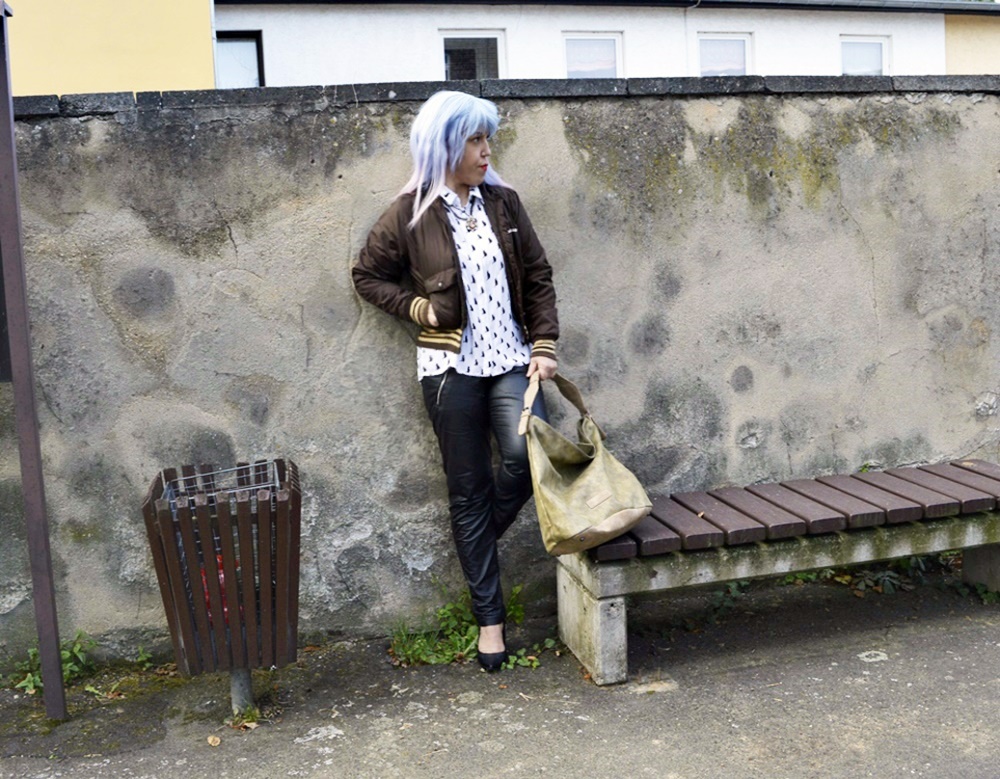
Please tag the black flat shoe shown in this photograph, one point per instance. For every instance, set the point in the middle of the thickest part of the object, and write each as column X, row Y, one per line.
column 493, row 661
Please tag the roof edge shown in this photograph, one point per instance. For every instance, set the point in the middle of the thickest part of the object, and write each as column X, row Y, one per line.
column 979, row 7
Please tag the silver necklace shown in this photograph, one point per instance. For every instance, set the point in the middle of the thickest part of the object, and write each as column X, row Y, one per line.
column 471, row 223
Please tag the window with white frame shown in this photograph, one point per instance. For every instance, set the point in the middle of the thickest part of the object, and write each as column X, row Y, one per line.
column 864, row 55
column 593, row 54
column 472, row 54
column 239, row 59
column 724, row 54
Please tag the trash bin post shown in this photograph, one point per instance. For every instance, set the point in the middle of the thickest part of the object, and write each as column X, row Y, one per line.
column 241, row 691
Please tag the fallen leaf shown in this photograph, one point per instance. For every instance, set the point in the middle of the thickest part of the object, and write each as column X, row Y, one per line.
column 214, row 741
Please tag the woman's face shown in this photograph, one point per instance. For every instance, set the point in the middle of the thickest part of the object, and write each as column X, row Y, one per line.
column 472, row 168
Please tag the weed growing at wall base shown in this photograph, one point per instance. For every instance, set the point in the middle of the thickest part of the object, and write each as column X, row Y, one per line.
column 456, row 636
column 76, row 664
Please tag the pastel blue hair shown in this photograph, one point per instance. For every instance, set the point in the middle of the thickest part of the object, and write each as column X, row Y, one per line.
column 437, row 142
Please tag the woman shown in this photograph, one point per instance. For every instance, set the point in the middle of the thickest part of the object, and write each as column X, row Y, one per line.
column 456, row 253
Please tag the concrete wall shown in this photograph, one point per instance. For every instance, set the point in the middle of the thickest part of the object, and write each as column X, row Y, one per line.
column 328, row 44
column 758, row 280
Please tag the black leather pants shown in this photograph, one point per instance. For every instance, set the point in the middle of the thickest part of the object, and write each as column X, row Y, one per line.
column 465, row 411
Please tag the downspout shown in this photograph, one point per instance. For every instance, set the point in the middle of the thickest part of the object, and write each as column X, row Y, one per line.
column 687, row 35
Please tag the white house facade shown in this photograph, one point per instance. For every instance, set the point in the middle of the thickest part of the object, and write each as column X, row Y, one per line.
column 338, row 43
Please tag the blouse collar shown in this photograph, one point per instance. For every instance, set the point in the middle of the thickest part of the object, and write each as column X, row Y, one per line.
column 452, row 199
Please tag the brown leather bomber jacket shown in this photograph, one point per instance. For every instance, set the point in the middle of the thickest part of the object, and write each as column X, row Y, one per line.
column 427, row 257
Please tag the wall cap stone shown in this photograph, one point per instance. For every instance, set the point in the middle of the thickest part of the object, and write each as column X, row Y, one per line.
column 394, row 92
column 947, row 83
column 708, row 85
column 36, row 105
column 833, row 84
column 555, row 87
column 211, row 98
column 512, row 89
column 96, row 104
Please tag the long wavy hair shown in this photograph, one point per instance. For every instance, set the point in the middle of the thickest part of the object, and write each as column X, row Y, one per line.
column 437, row 142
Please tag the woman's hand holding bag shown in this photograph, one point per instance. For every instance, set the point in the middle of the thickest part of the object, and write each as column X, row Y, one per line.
column 583, row 495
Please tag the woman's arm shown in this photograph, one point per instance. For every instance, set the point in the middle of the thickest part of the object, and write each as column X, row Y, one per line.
column 538, row 292
column 381, row 266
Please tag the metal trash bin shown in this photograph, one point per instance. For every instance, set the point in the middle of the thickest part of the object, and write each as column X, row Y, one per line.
column 225, row 546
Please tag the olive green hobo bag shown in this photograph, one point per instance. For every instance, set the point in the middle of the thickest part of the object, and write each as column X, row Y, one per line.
column 583, row 495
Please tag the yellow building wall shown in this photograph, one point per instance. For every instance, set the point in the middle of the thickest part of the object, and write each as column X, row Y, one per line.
column 972, row 45
column 69, row 46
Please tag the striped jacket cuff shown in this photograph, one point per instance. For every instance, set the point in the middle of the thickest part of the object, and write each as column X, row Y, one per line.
column 544, row 347
column 418, row 310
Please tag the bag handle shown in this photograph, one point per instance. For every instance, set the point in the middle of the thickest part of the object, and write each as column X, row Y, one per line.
column 566, row 388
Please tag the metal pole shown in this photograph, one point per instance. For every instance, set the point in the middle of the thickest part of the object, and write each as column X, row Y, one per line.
column 25, row 413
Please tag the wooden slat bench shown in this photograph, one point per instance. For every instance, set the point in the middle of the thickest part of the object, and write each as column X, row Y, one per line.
column 699, row 538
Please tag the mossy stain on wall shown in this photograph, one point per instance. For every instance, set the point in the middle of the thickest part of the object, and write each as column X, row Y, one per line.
column 755, row 157
column 192, row 174
column 635, row 151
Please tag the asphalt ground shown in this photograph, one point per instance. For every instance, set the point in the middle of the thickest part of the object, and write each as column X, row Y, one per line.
column 789, row 681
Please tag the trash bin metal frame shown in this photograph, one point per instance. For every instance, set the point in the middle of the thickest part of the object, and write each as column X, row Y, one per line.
column 225, row 547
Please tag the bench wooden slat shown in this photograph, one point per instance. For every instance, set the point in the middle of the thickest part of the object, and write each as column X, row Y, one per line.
column 983, row 468
column 818, row 518
column 653, row 537
column 735, row 515
column 896, row 509
column 621, row 548
column 935, row 504
column 694, row 531
column 971, row 500
column 965, row 477
column 738, row 527
column 859, row 513
column 779, row 523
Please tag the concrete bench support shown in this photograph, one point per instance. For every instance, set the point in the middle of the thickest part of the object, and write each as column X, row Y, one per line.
column 982, row 566
column 591, row 596
column 594, row 629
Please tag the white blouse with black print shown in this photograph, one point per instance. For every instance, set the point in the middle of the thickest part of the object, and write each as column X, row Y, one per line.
column 492, row 343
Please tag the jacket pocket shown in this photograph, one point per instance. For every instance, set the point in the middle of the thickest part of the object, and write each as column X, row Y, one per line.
column 445, row 296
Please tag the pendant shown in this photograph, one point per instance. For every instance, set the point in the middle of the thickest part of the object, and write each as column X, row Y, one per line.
column 471, row 224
